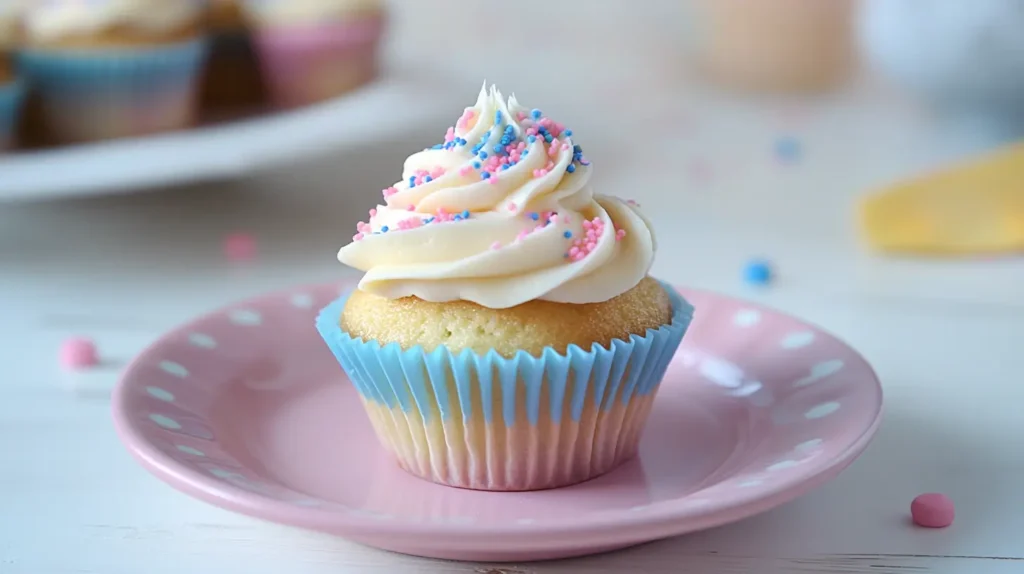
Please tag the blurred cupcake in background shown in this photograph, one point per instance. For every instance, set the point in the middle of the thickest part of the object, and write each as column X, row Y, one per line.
column 313, row 50
column 232, row 78
column 113, row 68
column 11, row 88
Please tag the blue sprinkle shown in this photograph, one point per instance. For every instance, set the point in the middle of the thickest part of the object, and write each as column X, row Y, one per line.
column 568, row 133
column 577, row 148
column 476, row 165
column 483, row 155
column 525, row 153
column 465, row 214
column 498, row 148
column 457, row 218
column 535, row 216
column 504, row 167
column 428, row 179
column 429, row 220
column 485, row 174
column 548, row 137
column 439, row 146
column 757, row 272
column 384, row 229
column 536, row 114
column 531, row 139
column 567, row 235
column 571, row 168
column 497, row 117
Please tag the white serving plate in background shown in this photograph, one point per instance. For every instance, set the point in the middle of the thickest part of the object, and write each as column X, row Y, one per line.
column 382, row 110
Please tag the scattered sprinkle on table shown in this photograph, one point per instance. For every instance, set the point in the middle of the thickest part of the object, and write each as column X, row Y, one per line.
column 78, row 353
column 788, row 149
column 758, row 272
column 932, row 510
column 239, row 247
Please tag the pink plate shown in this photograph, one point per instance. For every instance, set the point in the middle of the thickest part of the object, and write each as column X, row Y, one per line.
column 247, row 409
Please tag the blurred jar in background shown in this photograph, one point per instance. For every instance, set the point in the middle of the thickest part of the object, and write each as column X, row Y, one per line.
column 777, row 45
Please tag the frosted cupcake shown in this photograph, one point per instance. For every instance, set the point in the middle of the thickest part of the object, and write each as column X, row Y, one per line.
column 11, row 89
column 506, row 335
column 314, row 50
column 111, row 68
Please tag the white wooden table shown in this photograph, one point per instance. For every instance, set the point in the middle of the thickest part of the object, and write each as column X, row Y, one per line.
column 945, row 337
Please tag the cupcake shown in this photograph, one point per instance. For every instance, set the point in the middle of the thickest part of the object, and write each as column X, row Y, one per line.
column 314, row 50
column 232, row 78
column 112, row 68
column 11, row 89
column 506, row 335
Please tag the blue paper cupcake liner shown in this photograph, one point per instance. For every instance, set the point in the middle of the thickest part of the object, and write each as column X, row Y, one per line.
column 417, row 379
column 12, row 94
column 142, row 68
column 91, row 94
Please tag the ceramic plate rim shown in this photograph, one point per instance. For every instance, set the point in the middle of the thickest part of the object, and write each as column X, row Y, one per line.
column 670, row 520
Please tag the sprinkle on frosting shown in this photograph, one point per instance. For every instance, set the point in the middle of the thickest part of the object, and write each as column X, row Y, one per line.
column 499, row 213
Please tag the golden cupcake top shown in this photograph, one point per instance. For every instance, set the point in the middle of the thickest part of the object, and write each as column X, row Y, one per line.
column 55, row 20
column 301, row 12
column 501, row 213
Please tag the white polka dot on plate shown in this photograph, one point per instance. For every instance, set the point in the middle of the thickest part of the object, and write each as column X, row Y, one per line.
column 246, row 317
column 160, row 394
column 782, row 465
column 747, row 317
column 165, row 421
column 822, row 410
column 189, row 450
column 172, row 368
column 202, row 340
column 797, row 340
column 302, row 300
column 820, row 371
column 809, row 445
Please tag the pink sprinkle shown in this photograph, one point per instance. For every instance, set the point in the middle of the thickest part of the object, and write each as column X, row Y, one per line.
column 467, row 116
column 587, row 224
column 76, row 354
column 932, row 510
column 437, row 172
column 496, row 246
column 522, row 235
column 411, row 207
column 449, row 135
column 390, row 191
column 239, row 247
column 539, row 227
column 373, row 213
column 620, row 234
column 553, row 218
column 520, row 116
column 358, row 237
column 512, row 206
column 493, row 180
column 465, row 170
column 532, row 132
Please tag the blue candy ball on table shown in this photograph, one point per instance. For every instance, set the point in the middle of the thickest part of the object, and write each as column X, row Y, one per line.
column 757, row 272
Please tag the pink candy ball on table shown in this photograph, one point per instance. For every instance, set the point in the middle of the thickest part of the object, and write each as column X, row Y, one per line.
column 240, row 247
column 932, row 510
column 78, row 354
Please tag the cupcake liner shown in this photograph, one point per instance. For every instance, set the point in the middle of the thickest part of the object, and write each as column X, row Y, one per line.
column 12, row 94
column 307, row 64
column 98, row 94
column 487, row 422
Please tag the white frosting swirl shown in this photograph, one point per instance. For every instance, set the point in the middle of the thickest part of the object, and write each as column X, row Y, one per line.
column 53, row 19
column 532, row 230
column 297, row 12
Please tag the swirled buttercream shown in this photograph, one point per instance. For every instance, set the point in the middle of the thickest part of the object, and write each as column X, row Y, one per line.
column 499, row 214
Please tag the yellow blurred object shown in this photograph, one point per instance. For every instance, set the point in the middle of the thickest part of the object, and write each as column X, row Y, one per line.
column 974, row 208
